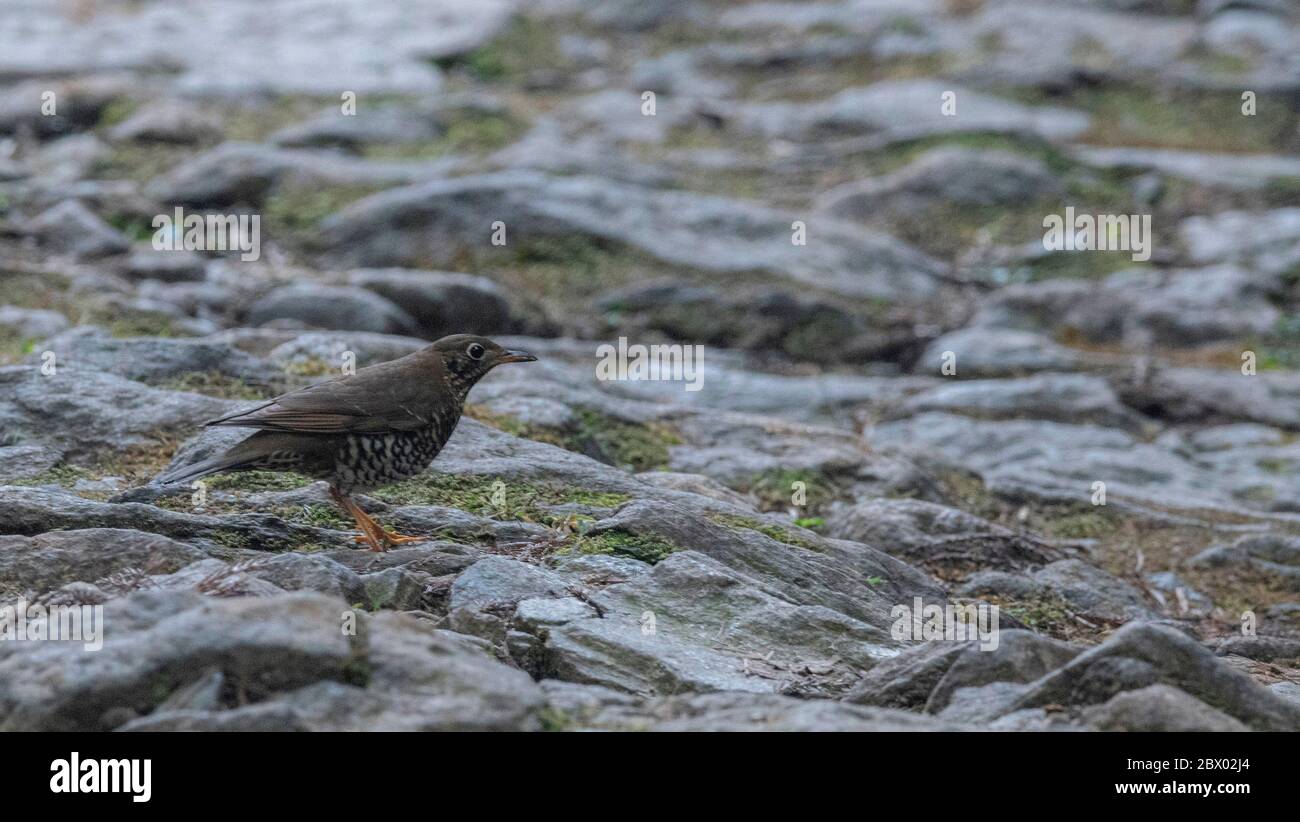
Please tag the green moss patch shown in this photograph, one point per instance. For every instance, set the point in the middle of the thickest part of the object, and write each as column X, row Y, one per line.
column 254, row 122
column 140, row 162
column 767, row 529
column 495, row 498
column 526, row 46
column 1279, row 350
column 14, row 348
column 1083, row 524
column 132, row 323
column 215, row 384
column 1198, row 120
column 134, row 464
column 298, row 210
column 1045, row 614
column 621, row 543
column 471, row 132
column 257, row 481
column 558, row 270
column 633, row 446
column 775, row 490
column 1077, row 265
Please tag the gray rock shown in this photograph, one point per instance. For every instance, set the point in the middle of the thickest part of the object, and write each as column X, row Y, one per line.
column 1228, row 170
column 47, row 561
column 1140, row 655
column 72, row 228
column 695, row 484
column 247, row 173
column 503, row 580
column 484, row 597
column 1286, row 690
column 1268, row 241
column 754, row 318
column 65, row 161
column 1058, row 397
column 311, row 572
column 168, row 266
column 364, row 49
column 768, row 713
column 32, row 511
column 154, row 359
column 959, row 176
column 1176, row 597
column 1245, row 434
column 1207, row 395
column 167, row 121
column 1001, row 584
column 287, row 654
column 591, row 707
column 1093, row 592
column 212, row 577
column 996, row 352
column 1276, row 555
column 395, row 588
column 441, row 303
column 538, row 613
column 435, row 220
column 906, row 110
column 30, row 323
column 1140, row 308
column 691, row 623
column 23, row 462
column 379, row 126
column 906, row 680
column 332, row 307
column 84, row 409
column 452, row 523
column 328, row 347
column 1159, row 708
column 920, row 531
column 1020, row 657
column 79, row 103
column 927, row 676
column 1060, row 462
column 600, row 567
column 1259, row 648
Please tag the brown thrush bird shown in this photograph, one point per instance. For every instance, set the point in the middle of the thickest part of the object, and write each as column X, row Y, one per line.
column 383, row 424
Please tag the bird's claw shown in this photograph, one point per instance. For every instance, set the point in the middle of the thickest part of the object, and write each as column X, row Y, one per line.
column 387, row 539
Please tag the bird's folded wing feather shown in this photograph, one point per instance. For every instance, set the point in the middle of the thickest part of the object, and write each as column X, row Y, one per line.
column 373, row 401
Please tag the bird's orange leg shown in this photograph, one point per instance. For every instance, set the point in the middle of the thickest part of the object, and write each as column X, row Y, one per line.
column 372, row 533
column 391, row 538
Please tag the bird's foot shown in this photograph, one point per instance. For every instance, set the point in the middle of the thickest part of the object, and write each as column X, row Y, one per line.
column 374, row 535
column 388, row 539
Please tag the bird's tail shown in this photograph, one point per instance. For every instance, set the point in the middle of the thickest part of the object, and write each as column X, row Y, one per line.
column 245, row 455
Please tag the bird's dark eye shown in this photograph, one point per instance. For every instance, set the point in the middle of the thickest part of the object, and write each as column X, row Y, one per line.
column 475, row 351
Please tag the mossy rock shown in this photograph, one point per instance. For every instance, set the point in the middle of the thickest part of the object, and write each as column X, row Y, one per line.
column 299, row 209
column 257, row 481
column 623, row 544
column 494, row 497
column 767, row 529
column 776, row 489
column 634, row 446
column 527, row 45
column 215, row 384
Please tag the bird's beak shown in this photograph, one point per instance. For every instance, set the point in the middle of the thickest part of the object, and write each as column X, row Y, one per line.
column 517, row 356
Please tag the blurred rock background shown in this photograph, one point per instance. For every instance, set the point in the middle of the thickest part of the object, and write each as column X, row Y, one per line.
column 823, row 361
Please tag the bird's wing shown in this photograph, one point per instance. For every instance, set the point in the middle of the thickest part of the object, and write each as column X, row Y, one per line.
column 380, row 398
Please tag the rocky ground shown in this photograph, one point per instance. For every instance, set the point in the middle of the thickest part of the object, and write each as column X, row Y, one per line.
column 629, row 555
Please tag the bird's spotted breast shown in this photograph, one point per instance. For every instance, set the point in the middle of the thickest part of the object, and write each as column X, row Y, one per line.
column 366, row 461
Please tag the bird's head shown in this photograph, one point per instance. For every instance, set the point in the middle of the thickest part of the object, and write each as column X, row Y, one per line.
column 468, row 357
